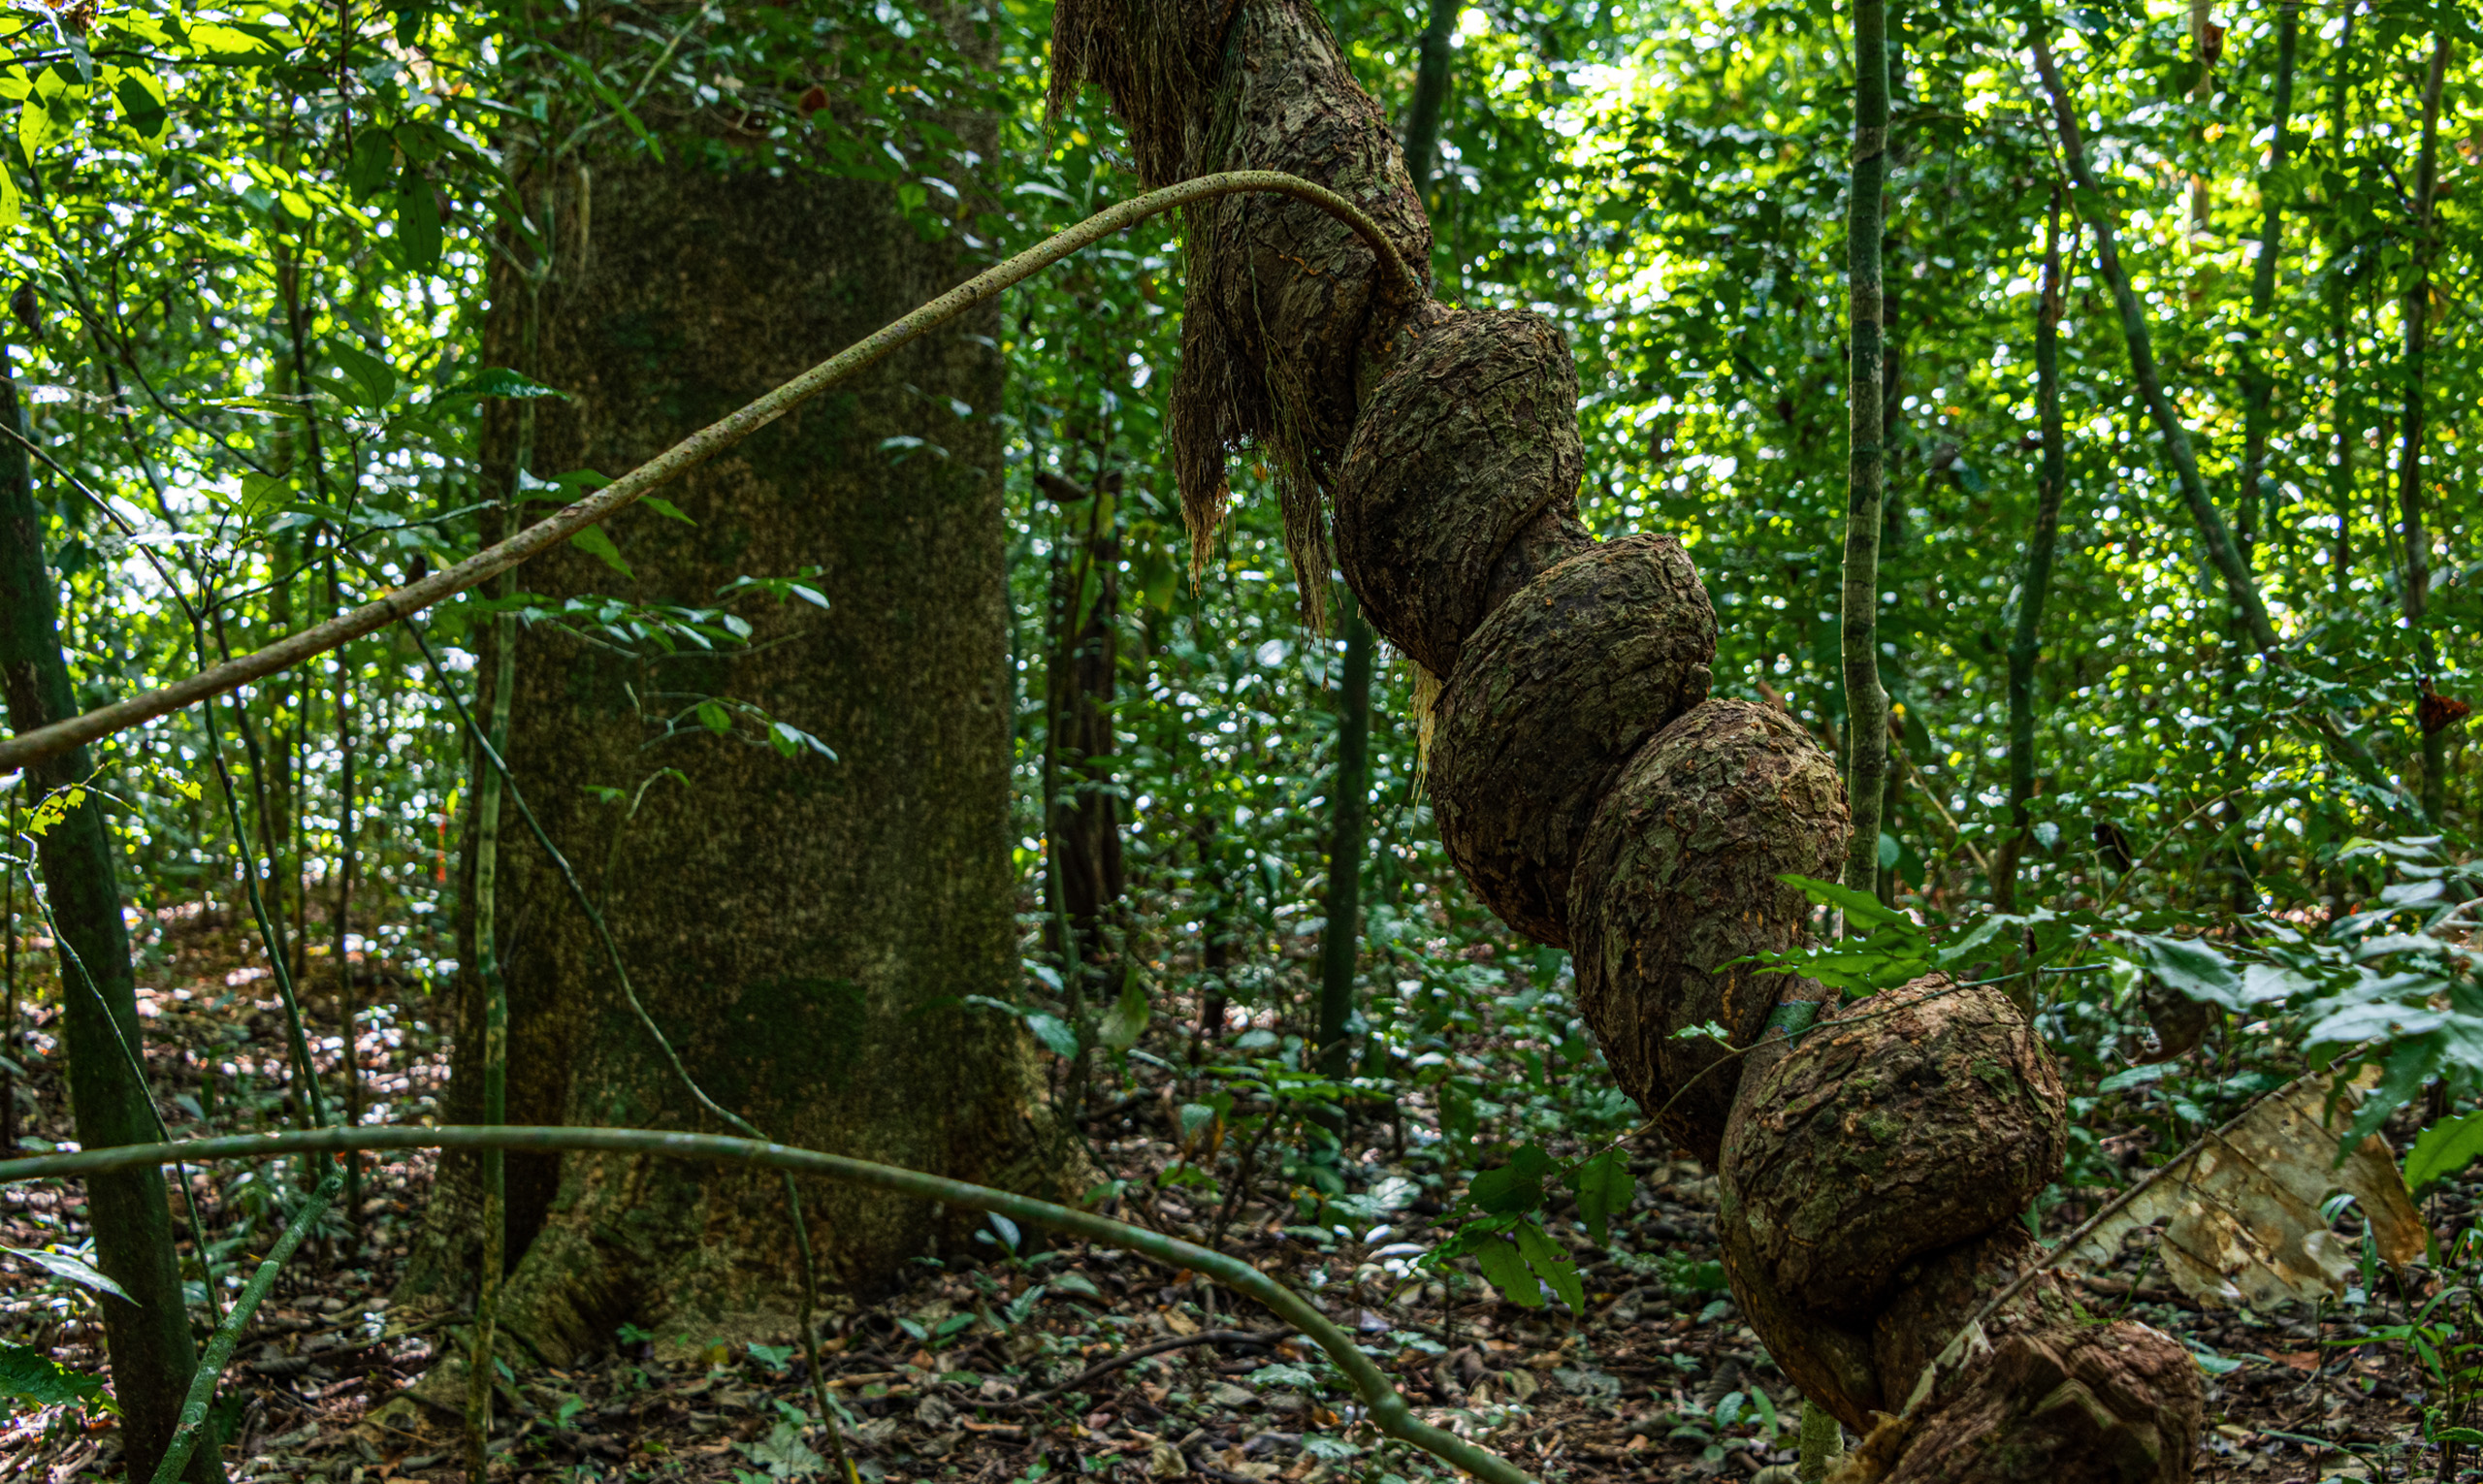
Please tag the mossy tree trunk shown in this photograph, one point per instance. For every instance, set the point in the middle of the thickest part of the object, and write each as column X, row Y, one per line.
column 801, row 928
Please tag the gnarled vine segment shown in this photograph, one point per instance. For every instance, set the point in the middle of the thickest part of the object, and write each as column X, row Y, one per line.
column 1873, row 1169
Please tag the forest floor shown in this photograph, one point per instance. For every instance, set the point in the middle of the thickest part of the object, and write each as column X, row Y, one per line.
column 963, row 1375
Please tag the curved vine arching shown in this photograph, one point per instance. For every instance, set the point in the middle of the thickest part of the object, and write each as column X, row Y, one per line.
column 1587, row 784
column 1598, row 798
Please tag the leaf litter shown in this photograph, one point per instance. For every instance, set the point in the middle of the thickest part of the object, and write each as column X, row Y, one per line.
column 987, row 1369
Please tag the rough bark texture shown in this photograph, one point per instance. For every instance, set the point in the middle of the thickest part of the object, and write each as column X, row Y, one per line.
column 1873, row 1172
column 1278, row 301
column 2115, row 1404
column 1677, row 879
column 1468, row 439
column 1933, row 1290
column 1559, row 686
column 1914, row 1122
column 789, row 922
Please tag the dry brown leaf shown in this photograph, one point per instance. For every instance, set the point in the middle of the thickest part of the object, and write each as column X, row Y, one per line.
column 2242, row 1220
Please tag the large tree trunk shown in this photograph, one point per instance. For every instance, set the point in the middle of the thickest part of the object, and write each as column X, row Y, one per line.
column 802, row 929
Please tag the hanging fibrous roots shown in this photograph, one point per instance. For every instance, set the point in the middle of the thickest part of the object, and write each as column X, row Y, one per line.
column 1874, row 1169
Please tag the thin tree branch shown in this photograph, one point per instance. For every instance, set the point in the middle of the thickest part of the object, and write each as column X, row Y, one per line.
column 1388, row 1410
column 689, row 454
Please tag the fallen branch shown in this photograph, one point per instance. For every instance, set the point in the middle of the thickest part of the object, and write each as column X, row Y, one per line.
column 1388, row 1411
column 1262, row 1337
column 681, row 458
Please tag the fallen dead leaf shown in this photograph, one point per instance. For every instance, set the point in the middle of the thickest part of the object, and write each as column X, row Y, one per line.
column 2241, row 1217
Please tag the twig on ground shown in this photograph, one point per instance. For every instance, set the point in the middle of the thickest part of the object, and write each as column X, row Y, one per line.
column 1261, row 1338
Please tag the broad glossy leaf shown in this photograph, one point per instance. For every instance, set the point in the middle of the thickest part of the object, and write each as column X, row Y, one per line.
column 1604, row 1186
column 1513, row 1187
column 1505, row 1269
column 1054, row 1032
column 2195, row 969
column 500, row 381
column 34, row 1378
column 1552, row 1265
column 592, row 539
column 75, row 1270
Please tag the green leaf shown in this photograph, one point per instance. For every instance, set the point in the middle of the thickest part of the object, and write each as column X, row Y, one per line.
column 2195, row 969
column 75, row 1270
column 1054, row 1032
column 374, row 375
column 666, row 508
column 262, row 497
column 1504, row 1268
column 366, row 171
column 142, row 104
column 784, row 1454
column 2443, row 1149
column 2135, row 1076
column 1127, row 1020
column 423, row 142
column 500, row 381
column 1955, row 949
column 1195, row 1116
column 1513, row 1187
column 30, row 1377
column 1857, row 906
column 1552, row 1265
column 1458, row 1119
column 1604, row 1187
column 715, row 718
column 592, row 539
column 417, row 223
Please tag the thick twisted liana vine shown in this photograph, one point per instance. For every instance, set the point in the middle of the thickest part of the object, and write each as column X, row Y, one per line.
column 1874, row 1173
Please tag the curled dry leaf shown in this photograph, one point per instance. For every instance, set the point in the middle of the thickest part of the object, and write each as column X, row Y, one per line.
column 2242, row 1222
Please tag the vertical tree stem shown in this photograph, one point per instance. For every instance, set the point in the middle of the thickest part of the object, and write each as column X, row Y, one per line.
column 1821, row 1445
column 2417, row 314
column 491, row 1163
column 346, row 1008
column 2034, row 584
column 1866, row 705
column 146, row 1335
column 9, row 976
column 1341, row 940
column 219, row 1346
column 2257, row 379
column 2342, row 410
column 1431, row 97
